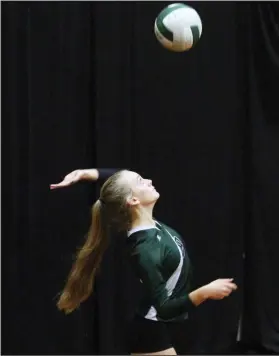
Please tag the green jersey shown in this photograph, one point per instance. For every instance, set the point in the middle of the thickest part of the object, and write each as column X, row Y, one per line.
column 161, row 262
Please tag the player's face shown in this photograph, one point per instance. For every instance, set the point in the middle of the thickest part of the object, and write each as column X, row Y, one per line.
column 143, row 191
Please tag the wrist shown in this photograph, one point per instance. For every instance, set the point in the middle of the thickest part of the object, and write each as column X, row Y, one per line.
column 90, row 174
column 205, row 292
column 199, row 295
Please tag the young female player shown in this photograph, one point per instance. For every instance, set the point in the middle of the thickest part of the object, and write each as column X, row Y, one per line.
column 158, row 256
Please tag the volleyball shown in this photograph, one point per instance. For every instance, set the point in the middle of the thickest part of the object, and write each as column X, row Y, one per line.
column 178, row 27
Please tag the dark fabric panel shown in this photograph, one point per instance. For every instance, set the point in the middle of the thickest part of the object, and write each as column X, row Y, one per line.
column 47, row 104
column 261, row 312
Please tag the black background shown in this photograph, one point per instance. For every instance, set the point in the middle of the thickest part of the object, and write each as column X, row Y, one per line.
column 86, row 84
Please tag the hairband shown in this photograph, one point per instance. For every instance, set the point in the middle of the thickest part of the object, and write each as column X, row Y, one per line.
column 102, row 201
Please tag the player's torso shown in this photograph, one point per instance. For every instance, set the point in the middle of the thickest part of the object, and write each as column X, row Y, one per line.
column 168, row 253
column 174, row 256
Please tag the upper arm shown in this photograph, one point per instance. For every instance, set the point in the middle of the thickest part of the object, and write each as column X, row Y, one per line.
column 147, row 267
column 105, row 173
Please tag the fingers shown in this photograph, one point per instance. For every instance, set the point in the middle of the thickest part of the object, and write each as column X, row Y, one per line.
column 222, row 288
column 70, row 179
column 58, row 185
column 230, row 285
column 228, row 289
column 228, row 282
column 62, row 184
column 223, row 293
column 233, row 286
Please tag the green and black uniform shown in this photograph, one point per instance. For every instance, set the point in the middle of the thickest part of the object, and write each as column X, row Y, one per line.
column 162, row 264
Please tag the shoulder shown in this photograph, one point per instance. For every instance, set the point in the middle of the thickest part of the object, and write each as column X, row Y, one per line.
column 142, row 239
column 144, row 245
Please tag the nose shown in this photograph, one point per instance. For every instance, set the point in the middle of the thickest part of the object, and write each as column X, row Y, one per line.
column 149, row 182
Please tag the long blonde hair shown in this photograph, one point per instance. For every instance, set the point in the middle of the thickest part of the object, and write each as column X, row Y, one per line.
column 110, row 212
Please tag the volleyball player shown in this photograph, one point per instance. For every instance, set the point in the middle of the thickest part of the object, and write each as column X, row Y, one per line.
column 157, row 254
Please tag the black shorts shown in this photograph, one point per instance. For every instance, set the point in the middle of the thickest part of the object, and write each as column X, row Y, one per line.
column 147, row 336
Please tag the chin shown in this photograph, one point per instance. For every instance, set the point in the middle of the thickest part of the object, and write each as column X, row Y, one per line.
column 156, row 196
column 152, row 200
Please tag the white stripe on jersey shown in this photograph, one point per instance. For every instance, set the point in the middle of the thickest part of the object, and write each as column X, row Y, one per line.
column 171, row 282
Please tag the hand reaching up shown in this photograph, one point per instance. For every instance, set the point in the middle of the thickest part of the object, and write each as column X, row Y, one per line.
column 69, row 179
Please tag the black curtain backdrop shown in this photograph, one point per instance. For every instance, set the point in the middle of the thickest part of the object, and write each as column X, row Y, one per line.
column 261, row 303
column 86, row 84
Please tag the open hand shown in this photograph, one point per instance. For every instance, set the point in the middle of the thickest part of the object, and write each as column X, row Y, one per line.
column 70, row 179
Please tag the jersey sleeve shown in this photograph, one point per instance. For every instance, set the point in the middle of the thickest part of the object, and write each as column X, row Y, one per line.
column 105, row 173
column 167, row 307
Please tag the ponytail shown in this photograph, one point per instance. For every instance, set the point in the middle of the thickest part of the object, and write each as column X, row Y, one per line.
column 81, row 279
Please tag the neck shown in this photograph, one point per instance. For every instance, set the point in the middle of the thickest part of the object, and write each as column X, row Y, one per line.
column 144, row 216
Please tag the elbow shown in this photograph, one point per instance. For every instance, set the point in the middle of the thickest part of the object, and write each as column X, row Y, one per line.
column 169, row 310
column 164, row 312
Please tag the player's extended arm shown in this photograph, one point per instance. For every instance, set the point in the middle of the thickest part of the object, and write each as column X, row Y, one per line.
column 90, row 174
column 169, row 307
column 147, row 271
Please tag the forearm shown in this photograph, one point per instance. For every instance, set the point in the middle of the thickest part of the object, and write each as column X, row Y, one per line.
column 172, row 307
column 91, row 174
column 198, row 296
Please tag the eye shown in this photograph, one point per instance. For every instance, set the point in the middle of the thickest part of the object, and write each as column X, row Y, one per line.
column 141, row 180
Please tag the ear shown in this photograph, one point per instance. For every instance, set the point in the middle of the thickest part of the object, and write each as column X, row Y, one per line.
column 133, row 201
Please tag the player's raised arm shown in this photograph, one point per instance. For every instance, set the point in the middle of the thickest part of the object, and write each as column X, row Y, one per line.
column 90, row 174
